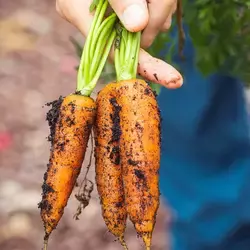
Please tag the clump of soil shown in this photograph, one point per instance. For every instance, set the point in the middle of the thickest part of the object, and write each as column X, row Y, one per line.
column 116, row 129
column 52, row 117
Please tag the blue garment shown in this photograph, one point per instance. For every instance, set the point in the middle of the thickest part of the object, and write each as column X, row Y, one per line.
column 205, row 164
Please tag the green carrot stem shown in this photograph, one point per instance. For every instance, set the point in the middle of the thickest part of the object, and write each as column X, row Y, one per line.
column 96, row 49
column 98, row 32
column 128, row 45
column 117, row 63
column 81, row 79
column 127, row 54
column 103, row 35
column 122, row 48
column 87, row 89
column 100, row 11
column 137, row 40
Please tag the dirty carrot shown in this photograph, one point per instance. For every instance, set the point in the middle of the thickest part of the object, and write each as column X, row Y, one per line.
column 140, row 154
column 108, row 168
column 69, row 142
column 140, row 137
column 71, row 119
column 127, row 111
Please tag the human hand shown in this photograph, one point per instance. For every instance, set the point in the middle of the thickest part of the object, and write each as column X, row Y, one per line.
column 151, row 16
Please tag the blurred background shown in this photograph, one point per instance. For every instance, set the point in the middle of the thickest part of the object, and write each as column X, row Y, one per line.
column 37, row 65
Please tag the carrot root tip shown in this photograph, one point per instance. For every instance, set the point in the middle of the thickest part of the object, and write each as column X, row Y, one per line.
column 45, row 244
column 123, row 243
column 147, row 240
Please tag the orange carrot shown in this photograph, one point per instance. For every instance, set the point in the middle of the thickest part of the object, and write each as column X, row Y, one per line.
column 69, row 139
column 108, row 169
column 140, row 154
column 128, row 122
column 140, row 136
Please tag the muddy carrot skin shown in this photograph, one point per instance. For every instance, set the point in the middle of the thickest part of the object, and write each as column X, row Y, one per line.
column 140, row 154
column 108, row 169
column 69, row 143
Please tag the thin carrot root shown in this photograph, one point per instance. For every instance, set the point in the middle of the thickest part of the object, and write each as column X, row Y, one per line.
column 147, row 240
column 45, row 244
column 86, row 186
column 123, row 243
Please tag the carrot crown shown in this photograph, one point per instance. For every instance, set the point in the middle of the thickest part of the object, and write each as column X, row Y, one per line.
column 127, row 47
column 96, row 49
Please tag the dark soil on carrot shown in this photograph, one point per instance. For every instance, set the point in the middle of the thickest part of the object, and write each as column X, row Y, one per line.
column 149, row 91
column 139, row 174
column 46, row 189
column 116, row 129
column 115, row 155
column 159, row 113
column 133, row 163
column 52, row 117
column 155, row 94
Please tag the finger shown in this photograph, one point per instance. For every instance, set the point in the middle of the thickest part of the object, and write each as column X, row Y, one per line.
column 158, row 13
column 77, row 13
column 132, row 13
column 158, row 71
column 166, row 26
column 58, row 9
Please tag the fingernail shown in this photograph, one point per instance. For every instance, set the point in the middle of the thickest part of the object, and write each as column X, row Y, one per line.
column 175, row 82
column 134, row 17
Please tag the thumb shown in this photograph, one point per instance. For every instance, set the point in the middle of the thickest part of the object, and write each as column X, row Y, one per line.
column 132, row 13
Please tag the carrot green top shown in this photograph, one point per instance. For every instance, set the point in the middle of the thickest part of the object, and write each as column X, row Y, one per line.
column 96, row 49
column 127, row 47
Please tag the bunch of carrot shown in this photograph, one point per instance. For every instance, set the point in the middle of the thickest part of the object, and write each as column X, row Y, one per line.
column 127, row 136
column 126, row 122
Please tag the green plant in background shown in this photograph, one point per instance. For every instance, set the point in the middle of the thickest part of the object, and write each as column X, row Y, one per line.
column 220, row 32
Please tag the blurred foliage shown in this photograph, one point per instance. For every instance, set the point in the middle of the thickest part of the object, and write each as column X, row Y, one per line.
column 220, row 32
